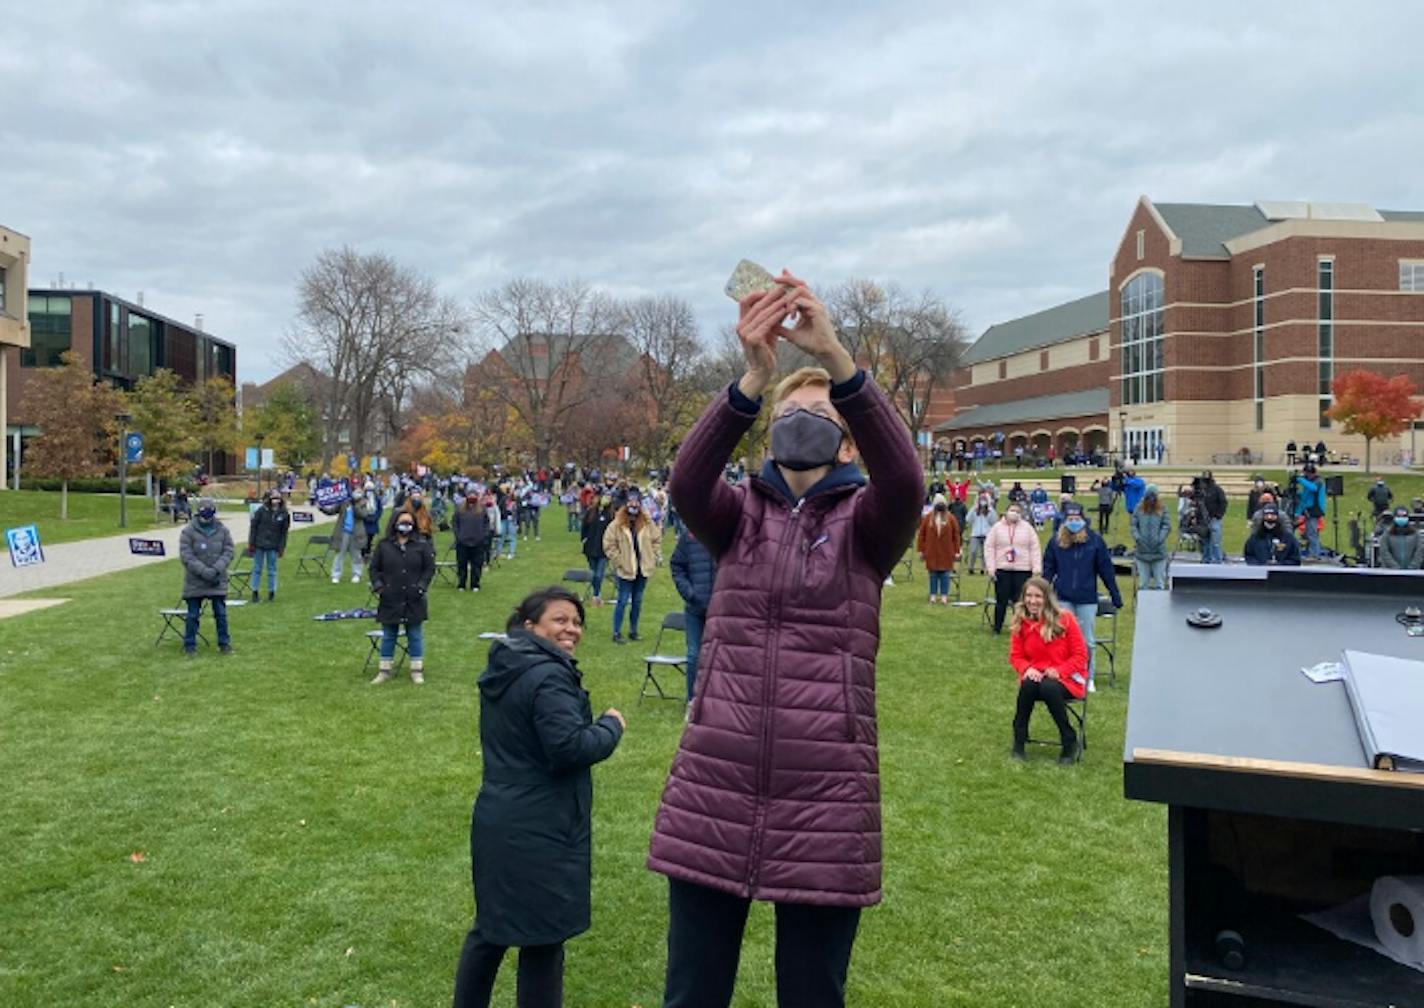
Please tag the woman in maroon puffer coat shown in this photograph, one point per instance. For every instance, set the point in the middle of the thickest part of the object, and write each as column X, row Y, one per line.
column 774, row 793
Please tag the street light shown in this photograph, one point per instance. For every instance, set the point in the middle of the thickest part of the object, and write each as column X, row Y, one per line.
column 259, row 465
column 123, row 419
column 1122, row 435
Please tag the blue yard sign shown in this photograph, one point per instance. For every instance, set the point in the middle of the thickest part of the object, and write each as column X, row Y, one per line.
column 24, row 543
column 133, row 447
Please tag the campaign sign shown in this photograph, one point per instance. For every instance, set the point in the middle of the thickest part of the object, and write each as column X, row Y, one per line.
column 25, row 550
column 146, row 547
column 133, row 447
column 1043, row 514
column 332, row 496
column 302, row 517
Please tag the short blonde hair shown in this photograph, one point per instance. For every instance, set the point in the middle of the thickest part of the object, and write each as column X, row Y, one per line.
column 799, row 378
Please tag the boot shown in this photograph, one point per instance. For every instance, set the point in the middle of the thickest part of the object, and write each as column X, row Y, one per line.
column 271, row 596
column 1071, row 752
column 417, row 671
column 254, row 596
column 384, row 675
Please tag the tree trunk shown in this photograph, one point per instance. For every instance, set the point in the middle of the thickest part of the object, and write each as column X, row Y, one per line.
column 64, row 500
column 1367, row 456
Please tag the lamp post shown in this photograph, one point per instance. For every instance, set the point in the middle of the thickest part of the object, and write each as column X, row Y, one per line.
column 259, row 466
column 1122, row 435
column 123, row 419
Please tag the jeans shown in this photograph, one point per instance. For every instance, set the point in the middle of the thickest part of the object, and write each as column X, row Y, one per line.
column 471, row 559
column 264, row 558
column 1213, row 552
column 414, row 640
column 540, row 981
column 1151, row 573
column 1312, row 537
column 1086, row 613
column 190, row 622
column 813, row 947
column 1055, row 698
column 976, row 549
column 346, row 545
column 629, row 591
column 939, row 583
column 1008, row 586
column 693, row 623
column 597, row 568
column 510, row 536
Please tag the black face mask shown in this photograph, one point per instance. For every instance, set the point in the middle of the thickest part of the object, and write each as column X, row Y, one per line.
column 801, row 440
column 941, row 507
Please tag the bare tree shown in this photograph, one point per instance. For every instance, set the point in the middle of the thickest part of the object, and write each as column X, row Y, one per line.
column 551, row 349
column 908, row 345
column 663, row 332
column 371, row 326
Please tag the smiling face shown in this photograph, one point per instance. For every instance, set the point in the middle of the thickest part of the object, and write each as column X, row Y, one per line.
column 1033, row 600
column 559, row 625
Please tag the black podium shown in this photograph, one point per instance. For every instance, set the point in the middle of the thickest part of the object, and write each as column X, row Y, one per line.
column 1272, row 810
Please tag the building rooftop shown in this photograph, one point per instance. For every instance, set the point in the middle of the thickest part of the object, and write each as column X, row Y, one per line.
column 1204, row 228
column 1052, row 325
column 1088, row 402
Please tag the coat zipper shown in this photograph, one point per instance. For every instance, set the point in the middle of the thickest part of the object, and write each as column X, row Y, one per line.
column 764, row 754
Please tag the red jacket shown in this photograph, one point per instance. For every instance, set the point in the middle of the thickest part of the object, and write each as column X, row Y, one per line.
column 1067, row 653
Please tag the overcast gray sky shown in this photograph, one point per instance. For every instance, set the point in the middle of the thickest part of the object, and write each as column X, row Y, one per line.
column 204, row 152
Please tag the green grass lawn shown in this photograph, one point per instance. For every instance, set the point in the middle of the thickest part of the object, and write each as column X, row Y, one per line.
column 304, row 836
column 90, row 515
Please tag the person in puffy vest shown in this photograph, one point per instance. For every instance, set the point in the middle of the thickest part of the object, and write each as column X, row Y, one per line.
column 773, row 794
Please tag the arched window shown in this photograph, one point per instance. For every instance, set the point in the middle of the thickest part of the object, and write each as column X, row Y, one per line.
column 1142, row 339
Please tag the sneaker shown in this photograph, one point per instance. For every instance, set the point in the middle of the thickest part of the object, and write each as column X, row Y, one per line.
column 633, row 636
column 189, row 652
column 890, row 581
column 459, row 587
column 417, row 677
column 475, row 588
column 1092, row 686
column 381, row 677
column 336, row 579
column 355, row 578
column 618, row 639
column 224, row 649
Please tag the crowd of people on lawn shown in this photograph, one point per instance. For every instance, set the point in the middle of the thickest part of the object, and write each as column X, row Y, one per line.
column 785, row 647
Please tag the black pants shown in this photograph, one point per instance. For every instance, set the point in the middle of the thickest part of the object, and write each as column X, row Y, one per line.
column 540, row 982
column 471, row 559
column 1104, row 514
column 1054, row 697
column 1008, row 585
column 813, row 945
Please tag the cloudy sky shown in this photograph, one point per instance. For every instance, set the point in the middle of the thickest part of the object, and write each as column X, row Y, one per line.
column 204, row 151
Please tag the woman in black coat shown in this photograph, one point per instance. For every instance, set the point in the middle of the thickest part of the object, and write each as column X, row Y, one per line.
column 402, row 565
column 595, row 522
column 531, row 832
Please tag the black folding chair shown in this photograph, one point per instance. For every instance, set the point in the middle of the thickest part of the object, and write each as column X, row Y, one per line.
column 581, row 576
column 374, row 654
column 1107, row 642
column 1078, row 714
column 658, row 660
column 317, row 558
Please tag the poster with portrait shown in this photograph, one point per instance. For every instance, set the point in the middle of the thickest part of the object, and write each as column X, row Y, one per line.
column 24, row 543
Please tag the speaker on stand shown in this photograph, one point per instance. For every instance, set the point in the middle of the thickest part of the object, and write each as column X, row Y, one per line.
column 1068, row 484
column 1335, row 489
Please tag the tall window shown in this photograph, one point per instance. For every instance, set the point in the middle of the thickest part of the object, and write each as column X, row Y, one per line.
column 1325, row 282
column 1411, row 275
column 49, row 332
column 1142, row 340
column 1258, row 342
column 140, row 339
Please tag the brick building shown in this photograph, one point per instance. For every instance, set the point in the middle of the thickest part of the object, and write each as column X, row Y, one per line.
column 119, row 340
column 1223, row 328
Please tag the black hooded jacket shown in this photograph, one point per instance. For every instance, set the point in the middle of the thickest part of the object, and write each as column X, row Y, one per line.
column 531, row 832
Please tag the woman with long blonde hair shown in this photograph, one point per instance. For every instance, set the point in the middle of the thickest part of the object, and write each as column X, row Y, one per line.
column 633, row 545
column 1047, row 650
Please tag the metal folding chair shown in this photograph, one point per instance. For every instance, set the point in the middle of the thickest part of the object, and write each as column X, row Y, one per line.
column 1078, row 714
column 584, row 577
column 657, row 660
column 1107, row 642
column 374, row 654
column 317, row 558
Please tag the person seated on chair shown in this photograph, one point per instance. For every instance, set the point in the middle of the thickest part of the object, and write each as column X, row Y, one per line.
column 1075, row 561
column 1401, row 547
column 1272, row 544
column 938, row 543
column 1047, row 650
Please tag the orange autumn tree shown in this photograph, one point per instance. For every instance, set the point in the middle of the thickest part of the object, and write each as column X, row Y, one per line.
column 1373, row 406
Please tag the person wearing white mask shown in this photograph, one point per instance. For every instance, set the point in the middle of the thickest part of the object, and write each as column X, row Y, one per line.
column 1011, row 556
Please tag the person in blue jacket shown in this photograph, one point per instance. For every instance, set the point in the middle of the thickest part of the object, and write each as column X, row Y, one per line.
column 1311, row 504
column 694, row 572
column 1133, row 487
column 1272, row 544
column 1074, row 561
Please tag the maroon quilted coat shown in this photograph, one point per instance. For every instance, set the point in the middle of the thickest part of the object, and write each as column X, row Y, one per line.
column 775, row 793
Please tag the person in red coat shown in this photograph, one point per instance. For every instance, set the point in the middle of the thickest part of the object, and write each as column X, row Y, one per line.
column 1047, row 650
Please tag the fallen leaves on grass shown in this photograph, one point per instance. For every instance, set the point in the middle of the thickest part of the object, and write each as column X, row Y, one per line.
column 138, row 857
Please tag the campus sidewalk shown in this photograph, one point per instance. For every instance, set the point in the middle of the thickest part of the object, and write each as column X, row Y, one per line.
column 88, row 558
